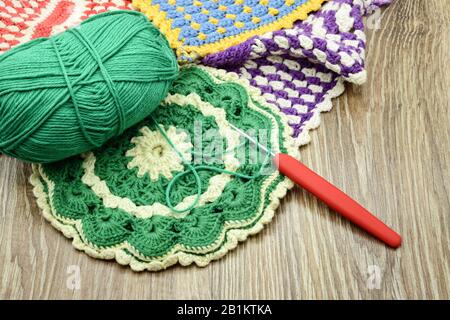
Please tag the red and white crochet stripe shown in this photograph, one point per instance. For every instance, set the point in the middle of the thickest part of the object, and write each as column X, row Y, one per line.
column 23, row 20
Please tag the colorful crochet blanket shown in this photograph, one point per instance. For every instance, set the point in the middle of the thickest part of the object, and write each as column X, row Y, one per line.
column 113, row 201
column 200, row 27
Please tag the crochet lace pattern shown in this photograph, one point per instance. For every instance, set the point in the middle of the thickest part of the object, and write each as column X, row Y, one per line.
column 111, row 201
column 200, row 27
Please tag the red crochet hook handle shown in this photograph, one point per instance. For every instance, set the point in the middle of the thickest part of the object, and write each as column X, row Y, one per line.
column 336, row 199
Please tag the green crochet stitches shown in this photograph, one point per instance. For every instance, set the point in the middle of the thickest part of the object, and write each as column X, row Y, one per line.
column 112, row 201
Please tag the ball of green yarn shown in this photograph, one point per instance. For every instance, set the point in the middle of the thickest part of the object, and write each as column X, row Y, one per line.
column 70, row 93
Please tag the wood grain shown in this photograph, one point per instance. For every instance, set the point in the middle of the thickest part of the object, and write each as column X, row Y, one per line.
column 387, row 143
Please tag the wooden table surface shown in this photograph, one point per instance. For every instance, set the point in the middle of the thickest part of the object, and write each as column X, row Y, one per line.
column 387, row 143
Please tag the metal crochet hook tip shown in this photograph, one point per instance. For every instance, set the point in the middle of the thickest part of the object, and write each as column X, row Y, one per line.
column 252, row 140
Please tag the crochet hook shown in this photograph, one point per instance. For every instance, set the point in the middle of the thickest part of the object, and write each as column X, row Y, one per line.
column 330, row 195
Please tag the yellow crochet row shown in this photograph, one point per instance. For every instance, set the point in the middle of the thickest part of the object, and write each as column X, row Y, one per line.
column 165, row 26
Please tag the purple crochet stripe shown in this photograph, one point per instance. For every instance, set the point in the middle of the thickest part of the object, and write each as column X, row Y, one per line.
column 301, row 68
column 298, row 118
column 303, row 116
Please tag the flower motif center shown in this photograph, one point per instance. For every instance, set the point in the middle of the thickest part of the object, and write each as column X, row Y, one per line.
column 154, row 156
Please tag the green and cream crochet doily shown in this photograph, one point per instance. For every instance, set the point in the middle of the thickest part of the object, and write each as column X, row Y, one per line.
column 112, row 201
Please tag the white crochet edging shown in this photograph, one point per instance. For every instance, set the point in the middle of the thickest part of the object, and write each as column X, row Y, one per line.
column 325, row 106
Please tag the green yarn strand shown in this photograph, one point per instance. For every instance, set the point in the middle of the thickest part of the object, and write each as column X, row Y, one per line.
column 195, row 169
column 70, row 93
